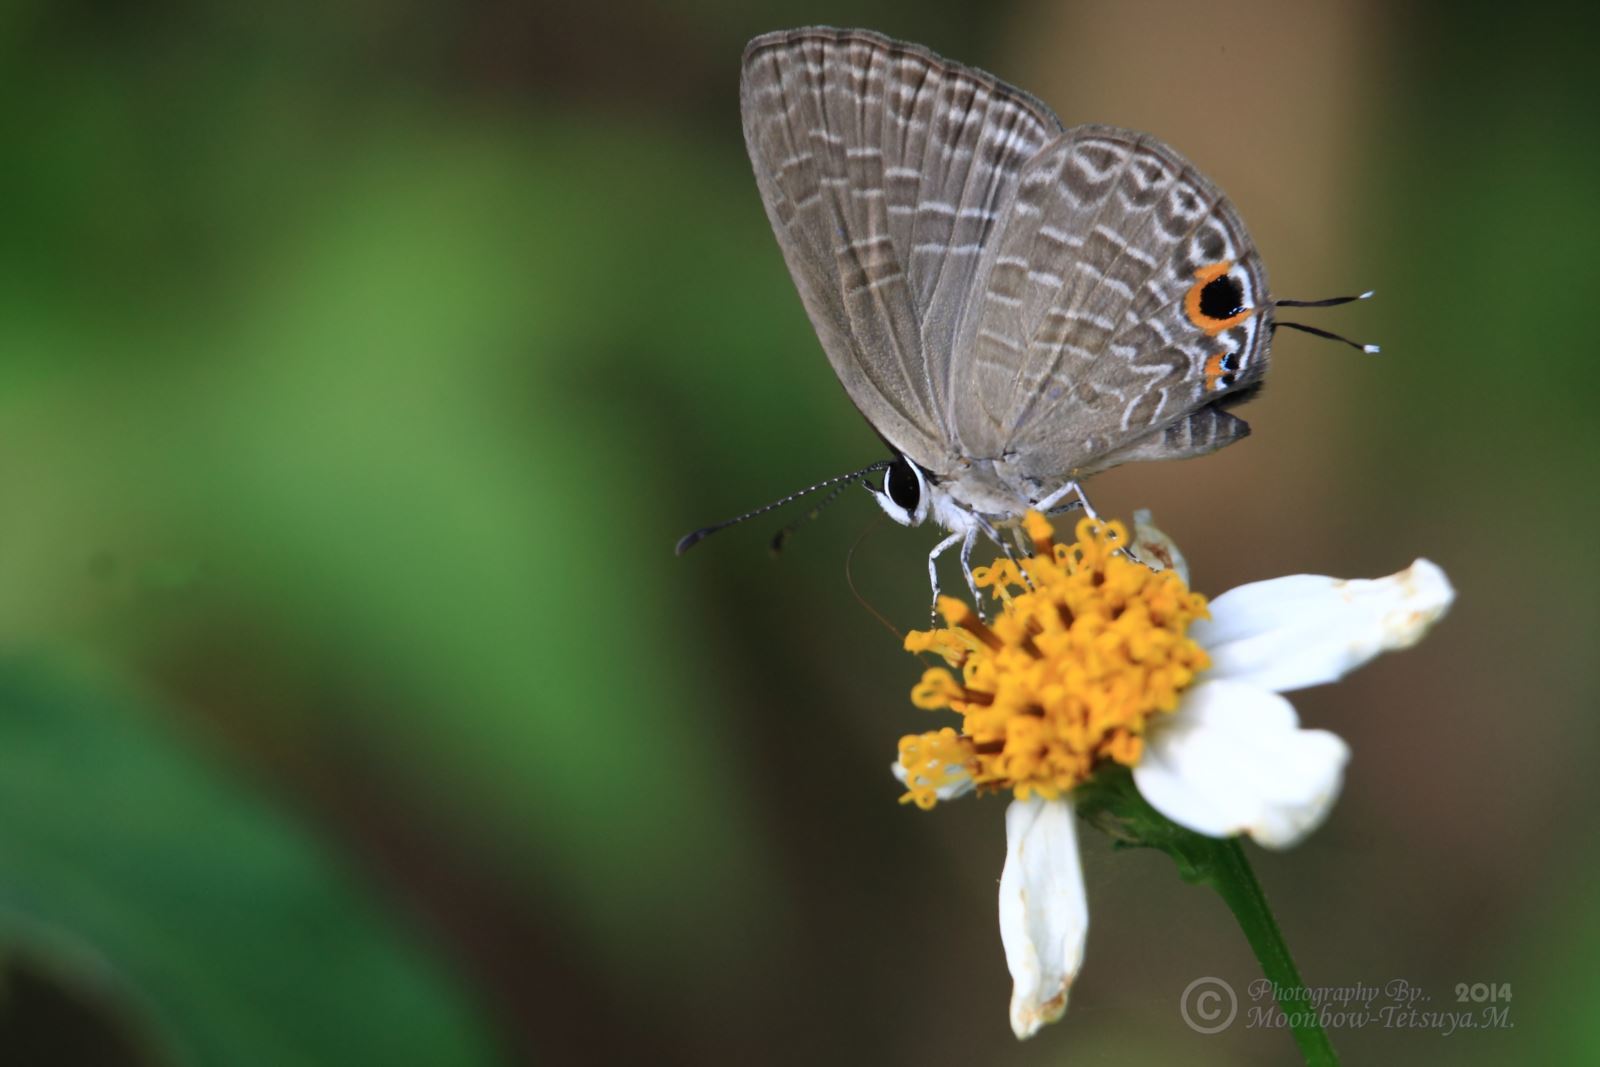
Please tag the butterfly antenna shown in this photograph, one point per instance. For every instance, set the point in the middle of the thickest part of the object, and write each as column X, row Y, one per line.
column 781, row 538
column 689, row 540
column 1330, row 302
column 1329, row 334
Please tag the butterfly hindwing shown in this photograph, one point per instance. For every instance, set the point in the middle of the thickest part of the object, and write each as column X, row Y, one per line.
column 1089, row 333
column 1197, row 434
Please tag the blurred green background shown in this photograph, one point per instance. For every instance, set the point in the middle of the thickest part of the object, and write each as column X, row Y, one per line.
column 359, row 365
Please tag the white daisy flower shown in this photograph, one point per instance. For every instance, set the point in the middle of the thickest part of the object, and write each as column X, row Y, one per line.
column 1096, row 660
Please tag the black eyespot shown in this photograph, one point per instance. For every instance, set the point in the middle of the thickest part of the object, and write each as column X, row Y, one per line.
column 1220, row 298
column 902, row 486
column 1229, row 361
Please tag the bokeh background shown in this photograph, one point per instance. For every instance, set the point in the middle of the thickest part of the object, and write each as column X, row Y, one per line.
column 360, row 364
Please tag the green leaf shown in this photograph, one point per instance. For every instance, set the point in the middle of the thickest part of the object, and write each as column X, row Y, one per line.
column 128, row 861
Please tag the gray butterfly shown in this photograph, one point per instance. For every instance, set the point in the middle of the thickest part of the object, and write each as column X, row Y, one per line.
column 1012, row 304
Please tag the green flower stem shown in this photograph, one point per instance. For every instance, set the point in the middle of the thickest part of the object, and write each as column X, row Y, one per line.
column 1113, row 803
column 1228, row 872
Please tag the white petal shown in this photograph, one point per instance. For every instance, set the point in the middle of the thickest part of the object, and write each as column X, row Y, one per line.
column 1233, row 759
column 1044, row 913
column 956, row 782
column 1155, row 549
column 1289, row 633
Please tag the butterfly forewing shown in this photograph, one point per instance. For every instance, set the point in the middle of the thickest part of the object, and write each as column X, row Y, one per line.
column 884, row 169
column 1083, row 340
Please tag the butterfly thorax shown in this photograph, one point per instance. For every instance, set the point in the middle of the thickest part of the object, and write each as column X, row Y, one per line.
column 995, row 490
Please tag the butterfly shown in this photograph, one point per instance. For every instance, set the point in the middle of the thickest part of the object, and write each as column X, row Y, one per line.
column 1013, row 304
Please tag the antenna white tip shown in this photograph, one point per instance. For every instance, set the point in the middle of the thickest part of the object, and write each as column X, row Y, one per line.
column 1367, row 295
column 1371, row 349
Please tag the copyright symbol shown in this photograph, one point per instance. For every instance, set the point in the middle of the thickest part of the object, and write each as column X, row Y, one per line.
column 1208, row 1005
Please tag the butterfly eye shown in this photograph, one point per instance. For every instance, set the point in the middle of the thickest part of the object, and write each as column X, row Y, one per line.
column 903, row 485
column 905, row 493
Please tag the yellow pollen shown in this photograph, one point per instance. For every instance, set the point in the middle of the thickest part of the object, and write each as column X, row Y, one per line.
column 939, row 759
column 1087, row 647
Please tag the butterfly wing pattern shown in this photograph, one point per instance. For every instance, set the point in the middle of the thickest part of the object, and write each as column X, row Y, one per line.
column 993, row 289
column 1118, row 301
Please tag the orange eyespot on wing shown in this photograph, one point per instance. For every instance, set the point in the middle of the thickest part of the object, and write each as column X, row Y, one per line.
column 1219, row 371
column 1212, row 302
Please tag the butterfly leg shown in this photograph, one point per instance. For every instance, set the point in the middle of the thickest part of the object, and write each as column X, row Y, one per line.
column 933, row 573
column 1057, row 501
column 993, row 535
column 1011, row 554
column 1053, row 504
column 967, row 542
